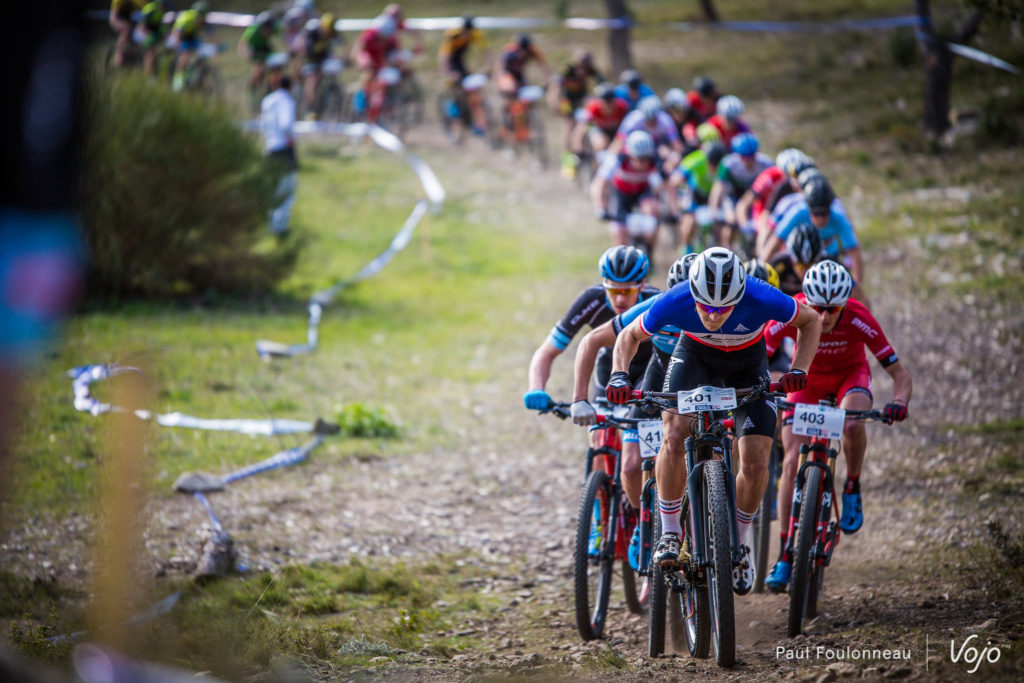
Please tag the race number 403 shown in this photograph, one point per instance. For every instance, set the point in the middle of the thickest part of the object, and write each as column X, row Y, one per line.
column 816, row 420
column 707, row 398
column 650, row 437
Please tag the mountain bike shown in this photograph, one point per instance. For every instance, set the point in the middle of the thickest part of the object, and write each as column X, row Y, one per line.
column 604, row 527
column 814, row 502
column 455, row 112
column 201, row 75
column 710, row 547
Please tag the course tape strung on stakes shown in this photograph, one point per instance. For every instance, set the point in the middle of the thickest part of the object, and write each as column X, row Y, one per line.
column 431, row 187
column 83, row 377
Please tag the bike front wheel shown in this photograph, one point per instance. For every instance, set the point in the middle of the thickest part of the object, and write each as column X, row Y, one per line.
column 594, row 555
column 802, row 556
column 695, row 611
column 719, row 554
column 659, row 588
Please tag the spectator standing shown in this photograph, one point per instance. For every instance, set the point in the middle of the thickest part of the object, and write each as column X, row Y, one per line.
column 277, row 123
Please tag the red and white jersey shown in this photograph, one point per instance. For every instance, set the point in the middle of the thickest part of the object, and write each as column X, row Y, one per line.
column 843, row 347
column 627, row 178
column 604, row 117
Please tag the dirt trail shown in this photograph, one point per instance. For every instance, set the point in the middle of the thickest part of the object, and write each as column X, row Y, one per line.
column 508, row 495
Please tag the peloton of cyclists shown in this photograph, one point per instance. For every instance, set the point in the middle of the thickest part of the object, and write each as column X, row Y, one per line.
column 839, row 370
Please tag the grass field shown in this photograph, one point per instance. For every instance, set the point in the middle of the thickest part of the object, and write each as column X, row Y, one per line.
column 459, row 311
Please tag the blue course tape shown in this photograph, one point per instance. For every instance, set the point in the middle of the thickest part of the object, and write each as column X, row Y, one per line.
column 277, row 461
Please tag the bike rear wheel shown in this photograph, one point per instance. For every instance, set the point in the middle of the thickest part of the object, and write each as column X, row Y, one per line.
column 594, row 555
column 802, row 557
column 659, row 589
column 719, row 553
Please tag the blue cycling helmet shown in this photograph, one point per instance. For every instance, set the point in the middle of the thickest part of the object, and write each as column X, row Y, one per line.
column 745, row 144
column 624, row 264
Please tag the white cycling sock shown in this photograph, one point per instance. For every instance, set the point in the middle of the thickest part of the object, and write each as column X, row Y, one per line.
column 670, row 510
column 744, row 521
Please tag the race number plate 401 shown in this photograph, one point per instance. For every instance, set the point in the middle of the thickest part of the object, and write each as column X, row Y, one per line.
column 814, row 420
column 707, row 398
column 650, row 437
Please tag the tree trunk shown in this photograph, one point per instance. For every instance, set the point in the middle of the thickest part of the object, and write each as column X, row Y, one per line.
column 618, row 38
column 710, row 12
column 938, row 67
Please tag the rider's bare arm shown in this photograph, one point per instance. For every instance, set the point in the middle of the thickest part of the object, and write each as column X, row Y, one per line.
column 743, row 206
column 540, row 364
column 902, row 384
column 598, row 193
column 808, row 333
column 856, row 264
column 715, row 198
column 772, row 244
column 630, row 339
column 586, row 355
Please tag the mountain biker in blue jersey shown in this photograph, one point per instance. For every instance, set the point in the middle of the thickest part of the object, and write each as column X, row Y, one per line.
column 722, row 313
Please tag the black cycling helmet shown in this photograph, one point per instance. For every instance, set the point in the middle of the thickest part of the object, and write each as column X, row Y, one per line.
column 524, row 41
column 704, row 85
column 715, row 152
column 605, row 91
column 804, row 167
column 818, row 193
column 631, row 78
column 804, row 244
column 468, row 22
column 624, row 264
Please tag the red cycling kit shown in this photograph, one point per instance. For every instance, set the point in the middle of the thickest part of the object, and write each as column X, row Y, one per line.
column 376, row 49
column 605, row 117
column 764, row 188
column 840, row 365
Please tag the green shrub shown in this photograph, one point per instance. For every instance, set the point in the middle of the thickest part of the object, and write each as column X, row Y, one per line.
column 356, row 419
column 175, row 196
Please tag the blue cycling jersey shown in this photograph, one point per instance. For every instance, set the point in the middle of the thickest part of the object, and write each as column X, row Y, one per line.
column 835, row 236
column 622, row 91
column 664, row 339
column 760, row 304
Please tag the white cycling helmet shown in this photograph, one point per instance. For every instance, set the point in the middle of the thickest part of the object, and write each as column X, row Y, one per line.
column 650, row 107
column 827, row 284
column 729, row 107
column 717, row 277
column 640, row 145
column 675, row 98
column 791, row 159
column 313, row 25
column 680, row 270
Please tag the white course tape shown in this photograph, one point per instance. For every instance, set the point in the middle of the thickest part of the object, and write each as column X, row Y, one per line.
column 983, row 57
column 84, row 375
column 432, row 187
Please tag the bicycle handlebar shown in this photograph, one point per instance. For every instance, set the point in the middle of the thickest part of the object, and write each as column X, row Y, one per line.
column 562, row 410
column 873, row 414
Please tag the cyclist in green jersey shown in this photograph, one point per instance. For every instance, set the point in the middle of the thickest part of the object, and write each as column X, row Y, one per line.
column 256, row 45
column 185, row 36
column 153, row 28
column 693, row 179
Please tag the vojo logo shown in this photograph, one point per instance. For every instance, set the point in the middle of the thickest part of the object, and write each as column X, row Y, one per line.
column 973, row 653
